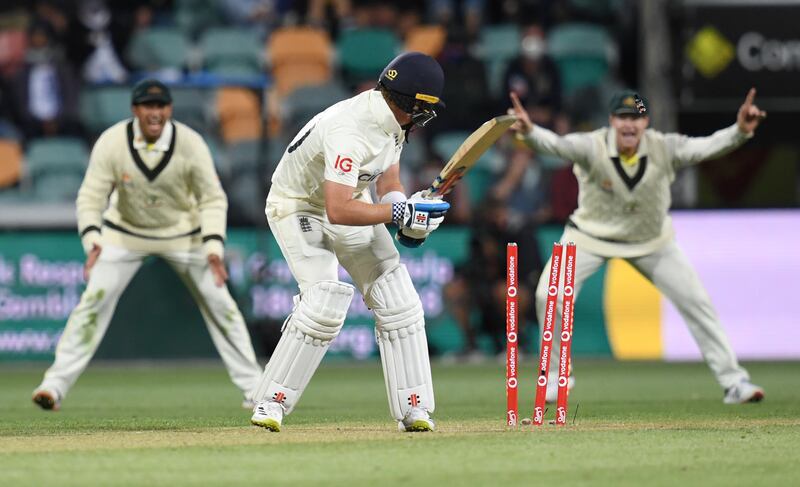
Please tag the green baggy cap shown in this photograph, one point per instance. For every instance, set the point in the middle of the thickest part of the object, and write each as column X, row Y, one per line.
column 628, row 102
column 149, row 91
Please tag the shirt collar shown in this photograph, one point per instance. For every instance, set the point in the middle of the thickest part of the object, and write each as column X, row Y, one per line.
column 611, row 143
column 384, row 116
column 161, row 145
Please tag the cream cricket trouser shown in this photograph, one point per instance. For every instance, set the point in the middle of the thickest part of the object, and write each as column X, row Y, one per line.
column 314, row 248
column 672, row 273
column 88, row 322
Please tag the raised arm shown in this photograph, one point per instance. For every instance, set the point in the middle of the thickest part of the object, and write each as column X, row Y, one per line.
column 691, row 150
column 576, row 148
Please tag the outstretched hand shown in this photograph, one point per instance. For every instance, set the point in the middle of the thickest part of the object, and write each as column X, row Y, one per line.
column 523, row 125
column 749, row 115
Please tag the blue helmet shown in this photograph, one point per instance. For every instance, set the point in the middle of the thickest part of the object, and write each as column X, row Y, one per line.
column 414, row 82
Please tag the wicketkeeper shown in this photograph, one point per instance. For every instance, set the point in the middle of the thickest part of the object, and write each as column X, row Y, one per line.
column 624, row 174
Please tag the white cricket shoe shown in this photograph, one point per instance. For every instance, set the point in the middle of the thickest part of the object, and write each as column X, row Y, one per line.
column 551, row 396
column 743, row 392
column 268, row 415
column 47, row 400
column 416, row 419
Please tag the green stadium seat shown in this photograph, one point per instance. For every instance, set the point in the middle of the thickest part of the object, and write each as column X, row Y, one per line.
column 193, row 17
column 191, row 106
column 102, row 107
column 157, row 48
column 498, row 45
column 582, row 52
column 480, row 178
column 56, row 167
column 232, row 51
column 246, row 155
column 303, row 103
column 413, row 155
column 363, row 53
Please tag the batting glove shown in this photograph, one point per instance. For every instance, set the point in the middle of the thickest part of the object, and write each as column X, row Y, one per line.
column 417, row 218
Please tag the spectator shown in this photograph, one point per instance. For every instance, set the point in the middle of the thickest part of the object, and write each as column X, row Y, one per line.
column 470, row 91
column 44, row 93
column 533, row 75
column 91, row 32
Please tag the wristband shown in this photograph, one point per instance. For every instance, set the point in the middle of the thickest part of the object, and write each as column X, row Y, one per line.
column 398, row 210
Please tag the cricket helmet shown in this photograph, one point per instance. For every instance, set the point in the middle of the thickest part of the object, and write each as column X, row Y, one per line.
column 414, row 82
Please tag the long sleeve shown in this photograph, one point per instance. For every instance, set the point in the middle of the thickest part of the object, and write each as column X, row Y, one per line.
column 94, row 192
column 575, row 147
column 687, row 150
column 211, row 199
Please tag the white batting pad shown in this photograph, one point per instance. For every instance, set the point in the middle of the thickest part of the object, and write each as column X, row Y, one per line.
column 318, row 316
column 400, row 332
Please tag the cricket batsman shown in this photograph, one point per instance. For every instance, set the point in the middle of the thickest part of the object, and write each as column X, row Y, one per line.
column 150, row 189
column 321, row 213
column 624, row 173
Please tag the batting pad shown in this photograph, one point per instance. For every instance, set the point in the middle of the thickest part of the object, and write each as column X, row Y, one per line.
column 318, row 316
column 400, row 332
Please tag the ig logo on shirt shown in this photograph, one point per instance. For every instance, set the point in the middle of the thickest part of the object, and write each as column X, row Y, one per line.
column 343, row 164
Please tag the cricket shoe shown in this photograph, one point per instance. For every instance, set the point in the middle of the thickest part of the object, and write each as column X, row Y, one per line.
column 416, row 419
column 268, row 415
column 551, row 395
column 47, row 400
column 742, row 393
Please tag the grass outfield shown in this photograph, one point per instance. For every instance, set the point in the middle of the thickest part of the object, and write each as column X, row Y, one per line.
column 637, row 424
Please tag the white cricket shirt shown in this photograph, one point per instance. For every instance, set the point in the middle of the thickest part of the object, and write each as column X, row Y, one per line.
column 352, row 142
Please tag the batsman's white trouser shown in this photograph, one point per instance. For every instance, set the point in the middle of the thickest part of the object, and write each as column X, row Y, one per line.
column 672, row 273
column 313, row 249
column 116, row 266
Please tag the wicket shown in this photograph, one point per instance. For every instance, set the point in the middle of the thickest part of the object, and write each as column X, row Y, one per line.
column 546, row 350
column 512, row 335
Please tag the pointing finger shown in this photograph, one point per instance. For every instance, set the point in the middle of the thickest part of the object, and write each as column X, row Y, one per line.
column 516, row 102
column 751, row 95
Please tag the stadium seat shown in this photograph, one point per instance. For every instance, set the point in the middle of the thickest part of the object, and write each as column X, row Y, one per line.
column 10, row 162
column 158, row 48
column 305, row 102
column 413, row 155
column 363, row 53
column 582, row 52
column 239, row 112
column 191, row 106
column 246, row 186
column 56, row 166
column 193, row 17
column 428, row 39
column 498, row 45
column 479, row 179
column 299, row 56
column 104, row 106
column 231, row 51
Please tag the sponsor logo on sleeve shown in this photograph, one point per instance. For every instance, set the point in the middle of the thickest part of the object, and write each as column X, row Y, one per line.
column 343, row 164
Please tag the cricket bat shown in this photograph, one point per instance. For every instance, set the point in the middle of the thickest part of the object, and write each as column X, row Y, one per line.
column 468, row 154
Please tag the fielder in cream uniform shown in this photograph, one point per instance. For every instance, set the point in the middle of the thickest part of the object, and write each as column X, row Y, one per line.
column 624, row 174
column 166, row 200
column 320, row 211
